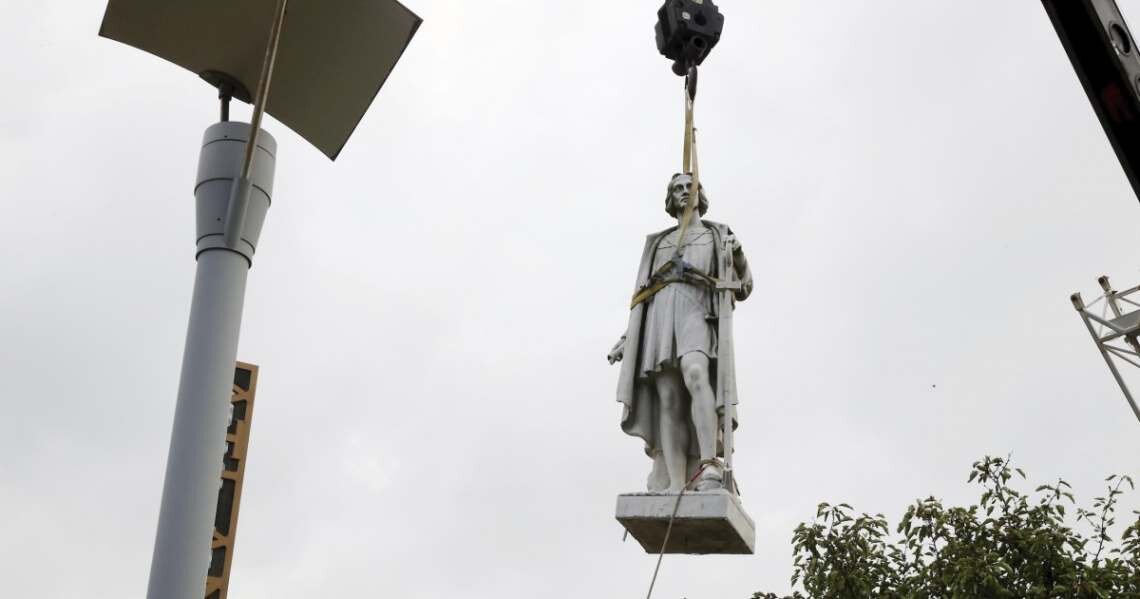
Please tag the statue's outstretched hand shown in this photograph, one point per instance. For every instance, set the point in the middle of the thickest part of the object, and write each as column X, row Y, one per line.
column 618, row 352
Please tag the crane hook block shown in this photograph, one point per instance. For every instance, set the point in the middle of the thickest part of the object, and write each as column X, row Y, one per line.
column 687, row 30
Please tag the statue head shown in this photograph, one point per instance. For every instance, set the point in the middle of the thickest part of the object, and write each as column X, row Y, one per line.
column 677, row 195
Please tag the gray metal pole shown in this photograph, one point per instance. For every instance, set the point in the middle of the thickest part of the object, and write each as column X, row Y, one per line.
column 182, row 553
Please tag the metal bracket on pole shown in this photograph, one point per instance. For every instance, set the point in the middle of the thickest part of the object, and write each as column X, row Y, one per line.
column 237, row 209
column 1105, row 331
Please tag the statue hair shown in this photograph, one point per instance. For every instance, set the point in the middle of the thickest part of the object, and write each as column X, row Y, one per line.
column 702, row 204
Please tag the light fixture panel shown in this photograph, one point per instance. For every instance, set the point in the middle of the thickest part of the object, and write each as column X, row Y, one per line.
column 333, row 58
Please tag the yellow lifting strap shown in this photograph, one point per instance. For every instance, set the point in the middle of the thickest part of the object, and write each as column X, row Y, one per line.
column 688, row 165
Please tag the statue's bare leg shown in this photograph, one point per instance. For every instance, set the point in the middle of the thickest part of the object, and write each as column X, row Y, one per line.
column 674, row 427
column 695, row 368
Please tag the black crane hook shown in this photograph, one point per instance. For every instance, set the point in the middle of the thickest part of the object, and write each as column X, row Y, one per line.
column 687, row 30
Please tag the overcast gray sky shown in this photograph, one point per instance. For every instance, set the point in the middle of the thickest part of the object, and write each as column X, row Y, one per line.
column 919, row 187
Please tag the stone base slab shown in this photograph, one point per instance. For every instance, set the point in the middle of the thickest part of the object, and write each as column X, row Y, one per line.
column 713, row 522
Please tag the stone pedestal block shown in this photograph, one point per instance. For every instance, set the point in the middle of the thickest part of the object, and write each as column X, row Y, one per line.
column 712, row 522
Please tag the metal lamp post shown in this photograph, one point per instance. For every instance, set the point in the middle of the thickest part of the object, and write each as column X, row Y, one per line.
column 325, row 61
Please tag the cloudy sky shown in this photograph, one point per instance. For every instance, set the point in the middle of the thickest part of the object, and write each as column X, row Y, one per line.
column 919, row 187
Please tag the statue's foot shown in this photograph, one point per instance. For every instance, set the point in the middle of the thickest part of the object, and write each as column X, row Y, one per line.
column 711, row 477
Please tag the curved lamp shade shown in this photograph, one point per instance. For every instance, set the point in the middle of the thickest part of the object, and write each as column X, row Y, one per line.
column 333, row 57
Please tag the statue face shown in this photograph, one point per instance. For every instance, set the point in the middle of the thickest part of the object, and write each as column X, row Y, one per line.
column 679, row 190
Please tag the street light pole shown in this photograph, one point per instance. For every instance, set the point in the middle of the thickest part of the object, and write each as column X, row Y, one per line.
column 197, row 444
column 232, row 195
column 336, row 55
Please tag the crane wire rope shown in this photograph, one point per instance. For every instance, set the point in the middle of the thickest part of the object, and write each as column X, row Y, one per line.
column 689, row 165
column 672, row 518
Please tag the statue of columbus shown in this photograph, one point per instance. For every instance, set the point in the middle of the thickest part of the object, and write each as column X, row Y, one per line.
column 669, row 352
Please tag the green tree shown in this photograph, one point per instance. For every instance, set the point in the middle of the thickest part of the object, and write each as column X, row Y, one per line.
column 1011, row 545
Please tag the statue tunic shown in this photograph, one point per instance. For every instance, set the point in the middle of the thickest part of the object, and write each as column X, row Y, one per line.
column 678, row 319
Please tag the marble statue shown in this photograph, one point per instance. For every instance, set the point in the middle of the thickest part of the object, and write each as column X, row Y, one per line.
column 671, row 362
